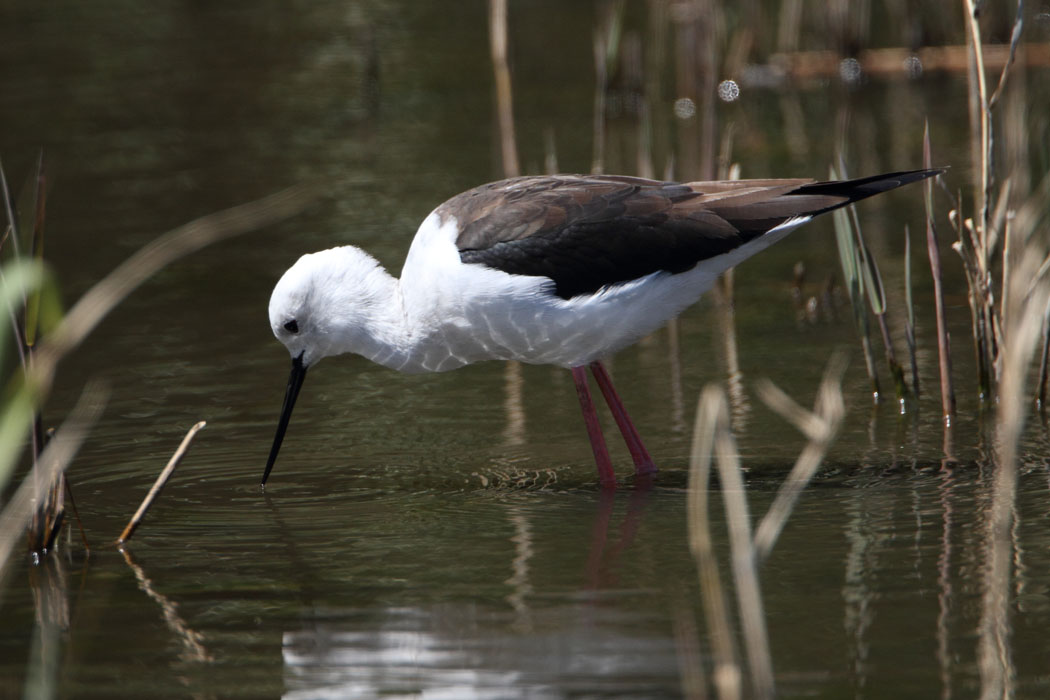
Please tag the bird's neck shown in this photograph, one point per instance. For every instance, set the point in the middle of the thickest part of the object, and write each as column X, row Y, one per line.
column 370, row 323
column 375, row 322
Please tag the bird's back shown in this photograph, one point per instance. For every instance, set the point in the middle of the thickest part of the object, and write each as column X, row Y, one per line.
column 566, row 269
column 586, row 232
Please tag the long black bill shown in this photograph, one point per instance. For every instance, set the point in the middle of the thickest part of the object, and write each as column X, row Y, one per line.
column 295, row 383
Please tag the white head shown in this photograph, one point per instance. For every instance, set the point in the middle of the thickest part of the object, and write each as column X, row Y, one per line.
column 321, row 306
column 325, row 304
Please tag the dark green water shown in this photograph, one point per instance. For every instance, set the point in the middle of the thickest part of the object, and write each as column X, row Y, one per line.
column 443, row 536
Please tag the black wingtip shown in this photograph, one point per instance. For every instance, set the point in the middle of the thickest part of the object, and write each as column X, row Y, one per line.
column 861, row 188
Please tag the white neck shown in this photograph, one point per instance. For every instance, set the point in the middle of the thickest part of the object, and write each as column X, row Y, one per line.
column 366, row 314
column 366, row 317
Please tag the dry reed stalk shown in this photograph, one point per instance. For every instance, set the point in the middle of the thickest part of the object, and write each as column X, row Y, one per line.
column 504, row 94
column 982, row 299
column 744, row 560
column 727, row 676
column 59, row 452
column 159, row 484
column 875, row 293
column 1027, row 297
column 852, row 273
column 1015, row 42
column 979, row 235
column 685, row 20
column 22, row 406
column 1025, row 301
column 76, row 514
column 789, row 25
column 714, row 436
column 606, row 47
column 98, row 301
column 32, row 307
column 909, row 321
column 820, row 427
column 11, row 233
column 976, row 296
column 944, row 347
column 710, row 43
column 550, row 152
column 713, row 439
column 50, row 512
column 1044, row 361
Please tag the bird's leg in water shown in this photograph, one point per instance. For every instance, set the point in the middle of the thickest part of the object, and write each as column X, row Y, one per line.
column 643, row 463
column 594, row 431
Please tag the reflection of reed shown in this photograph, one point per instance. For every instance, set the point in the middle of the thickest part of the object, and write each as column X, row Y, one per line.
column 857, row 592
column 739, row 407
column 193, row 649
column 674, row 360
column 944, row 581
column 49, row 586
column 513, row 405
column 521, row 587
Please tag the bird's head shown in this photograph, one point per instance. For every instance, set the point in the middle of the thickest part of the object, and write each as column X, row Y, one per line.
column 317, row 309
column 291, row 310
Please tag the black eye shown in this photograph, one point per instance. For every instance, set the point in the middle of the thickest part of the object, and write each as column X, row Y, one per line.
column 292, row 326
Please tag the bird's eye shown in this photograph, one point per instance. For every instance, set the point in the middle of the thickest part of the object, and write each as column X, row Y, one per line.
column 292, row 326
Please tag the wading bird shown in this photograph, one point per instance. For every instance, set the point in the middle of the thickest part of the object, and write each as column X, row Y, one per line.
column 561, row 270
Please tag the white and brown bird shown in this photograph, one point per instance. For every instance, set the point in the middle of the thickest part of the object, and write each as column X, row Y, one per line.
column 561, row 270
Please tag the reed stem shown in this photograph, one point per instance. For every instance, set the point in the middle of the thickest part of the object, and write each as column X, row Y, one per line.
column 159, row 484
column 944, row 348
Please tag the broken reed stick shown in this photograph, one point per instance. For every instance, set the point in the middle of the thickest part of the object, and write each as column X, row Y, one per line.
column 159, row 483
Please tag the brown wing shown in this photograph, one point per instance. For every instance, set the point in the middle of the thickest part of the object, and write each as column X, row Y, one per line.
column 587, row 232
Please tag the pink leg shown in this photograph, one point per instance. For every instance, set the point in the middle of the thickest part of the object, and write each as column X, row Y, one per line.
column 594, row 431
column 643, row 463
